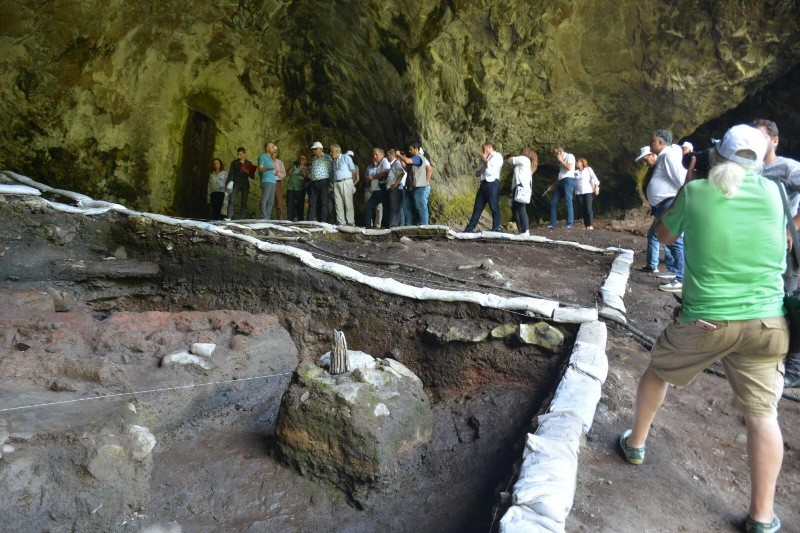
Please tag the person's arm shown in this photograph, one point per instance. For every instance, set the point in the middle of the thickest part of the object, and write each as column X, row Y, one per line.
column 674, row 167
column 280, row 169
column 567, row 162
column 262, row 165
column 669, row 225
column 231, row 174
column 481, row 169
column 429, row 173
column 406, row 160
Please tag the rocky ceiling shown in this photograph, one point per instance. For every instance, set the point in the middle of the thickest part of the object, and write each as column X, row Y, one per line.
column 129, row 100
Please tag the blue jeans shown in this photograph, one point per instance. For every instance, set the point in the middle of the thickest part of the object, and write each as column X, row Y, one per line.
column 566, row 190
column 653, row 248
column 488, row 193
column 267, row 199
column 417, row 199
column 674, row 250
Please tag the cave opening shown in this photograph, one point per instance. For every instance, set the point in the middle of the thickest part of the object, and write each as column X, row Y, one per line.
column 197, row 150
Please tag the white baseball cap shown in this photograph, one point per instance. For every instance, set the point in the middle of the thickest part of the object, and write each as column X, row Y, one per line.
column 645, row 150
column 316, row 145
column 350, row 153
column 743, row 137
column 688, row 145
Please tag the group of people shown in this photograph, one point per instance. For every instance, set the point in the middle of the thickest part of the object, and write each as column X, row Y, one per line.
column 580, row 181
column 727, row 233
column 398, row 186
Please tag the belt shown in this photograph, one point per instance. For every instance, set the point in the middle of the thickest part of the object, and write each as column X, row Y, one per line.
column 343, row 179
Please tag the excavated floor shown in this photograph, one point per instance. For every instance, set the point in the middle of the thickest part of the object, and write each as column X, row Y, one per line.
column 82, row 324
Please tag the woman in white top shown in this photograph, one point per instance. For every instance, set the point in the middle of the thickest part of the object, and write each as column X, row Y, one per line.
column 521, row 185
column 216, row 188
column 587, row 187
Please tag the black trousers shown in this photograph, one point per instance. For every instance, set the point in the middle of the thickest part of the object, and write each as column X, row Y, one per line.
column 520, row 212
column 239, row 188
column 318, row 200
column 488, row 193
column 216, row 205
column 585, row 201
column 295, row 201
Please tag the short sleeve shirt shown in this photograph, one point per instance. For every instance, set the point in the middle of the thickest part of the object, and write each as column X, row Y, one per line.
column 321, row 167
column 266, row 161
column 735, row 250
column 565, row 172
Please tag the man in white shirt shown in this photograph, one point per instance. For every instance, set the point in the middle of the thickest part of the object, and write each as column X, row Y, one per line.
column 564, row 187
column 489, row 190
column 668, row 178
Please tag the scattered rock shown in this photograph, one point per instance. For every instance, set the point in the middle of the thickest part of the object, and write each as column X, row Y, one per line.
column 110, row 464
column 467, row 267
column 380, row 410
column 63, row 302
column 487, row 264
column 120, row 253
column 185, row 358
column 493, row 274
column 203, row 349
column 7, row 448
column 142, row 442
column 503, row 331
column 541, row 334
column 161, row 527
column 405, row 239
column 457, row 334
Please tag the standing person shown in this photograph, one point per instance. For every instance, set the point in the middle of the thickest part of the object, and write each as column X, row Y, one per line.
column 240, row 172
column 343, row 174
column 668, row 178
column 280, row 173
column 216, row 188
column 296, row 188
column 419, row 189
column 266, row 167
column 788, row 172
column 687, row 148
column 321, row 164
column 564, row 187
column 522, row 186
column 648, row 158
column 396, row 181
column 377, row 174
column 489, row 190
column 587, row 187
column 732, row 308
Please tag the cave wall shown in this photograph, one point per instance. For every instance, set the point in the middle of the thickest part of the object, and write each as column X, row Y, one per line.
column 96, row 97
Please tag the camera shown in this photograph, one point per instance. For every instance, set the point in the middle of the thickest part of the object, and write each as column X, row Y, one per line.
column 702, row 164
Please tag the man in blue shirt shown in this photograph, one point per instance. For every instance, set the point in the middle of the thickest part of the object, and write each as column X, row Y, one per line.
column 343, row 174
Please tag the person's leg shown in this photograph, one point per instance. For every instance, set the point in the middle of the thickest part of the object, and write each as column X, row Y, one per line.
column 232, row 199
column 515, row 215
column 477, row 208
column 764, row 455
column 588, row 214
column 338, row 202
column 291, row 204
column 245, row 188
column 349, row 213
column 493, row 197
column 279, row 206
column 265, row 192
column 369, row 208
column 396, row 207
column 554, row 204
column 325, row 199
column 523, row 216
column 652, row 246
column 569, row 195
column 216, row 205
column 378, row 210
column 422, row 205
column 408, row 207
column 649, row 396
column 313, row 202
column 386, row 208
column 677, row 253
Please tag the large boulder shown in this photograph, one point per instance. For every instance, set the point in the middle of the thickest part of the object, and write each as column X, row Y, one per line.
column 356, row 430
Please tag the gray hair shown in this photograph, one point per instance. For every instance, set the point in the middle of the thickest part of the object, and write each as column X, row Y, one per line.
column 664, row 135
column 336, row 148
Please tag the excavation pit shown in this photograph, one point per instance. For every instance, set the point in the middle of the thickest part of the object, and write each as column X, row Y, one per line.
column 214, row 465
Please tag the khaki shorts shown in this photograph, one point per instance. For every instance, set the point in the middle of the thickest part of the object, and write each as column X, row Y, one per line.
column 751, row 351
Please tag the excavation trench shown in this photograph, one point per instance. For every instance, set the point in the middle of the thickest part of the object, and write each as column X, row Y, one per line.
column 214, row 466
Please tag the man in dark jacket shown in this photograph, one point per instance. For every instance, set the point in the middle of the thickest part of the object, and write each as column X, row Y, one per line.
column 239, row 174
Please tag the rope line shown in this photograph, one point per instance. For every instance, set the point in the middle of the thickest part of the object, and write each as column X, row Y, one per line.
column 119, row 394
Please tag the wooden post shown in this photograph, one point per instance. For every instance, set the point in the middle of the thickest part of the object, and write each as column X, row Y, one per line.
column 340, row 360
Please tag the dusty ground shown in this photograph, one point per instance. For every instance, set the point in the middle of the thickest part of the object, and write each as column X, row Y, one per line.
column 213, row 467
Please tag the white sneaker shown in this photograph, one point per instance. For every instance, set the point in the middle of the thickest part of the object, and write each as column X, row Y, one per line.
column 672, row 286
column 666, row 275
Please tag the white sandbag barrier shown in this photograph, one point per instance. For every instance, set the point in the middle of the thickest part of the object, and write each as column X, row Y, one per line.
column 543, row 494
column 538, row 306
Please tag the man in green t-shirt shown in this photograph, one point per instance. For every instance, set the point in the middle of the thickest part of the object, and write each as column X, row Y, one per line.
column 734, row 234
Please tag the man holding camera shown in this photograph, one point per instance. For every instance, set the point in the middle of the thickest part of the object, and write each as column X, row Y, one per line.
column 732, row 308
column 668, row 178
column 788, row 172
column 564, row 187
